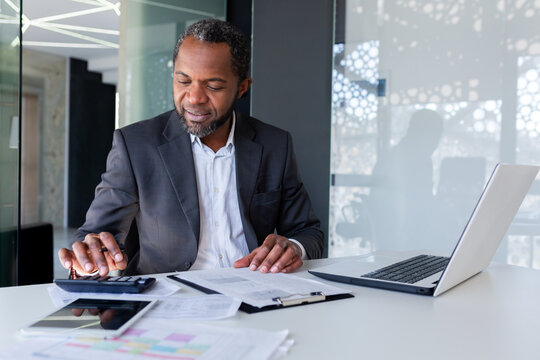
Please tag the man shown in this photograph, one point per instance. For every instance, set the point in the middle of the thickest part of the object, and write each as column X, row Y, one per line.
column 402, row 204
column 207, row 187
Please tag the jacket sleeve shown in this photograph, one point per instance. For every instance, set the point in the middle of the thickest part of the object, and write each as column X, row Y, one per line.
column 297, row 219
column 115, row 202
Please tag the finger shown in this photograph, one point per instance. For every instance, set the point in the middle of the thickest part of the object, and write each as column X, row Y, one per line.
column 271, row 239
column 273, row 256
column 297, row 249
column 107, row 316
column 94, row 255
column 110, row 262
column 286, row 258
column 77, row 312
column 67, row 257
column 109, row 242
column 259, row 254
column 93, row 311
column 80, row 250
column 293, row 266
column 69, row 260
column 243, row 262
column 79, row 269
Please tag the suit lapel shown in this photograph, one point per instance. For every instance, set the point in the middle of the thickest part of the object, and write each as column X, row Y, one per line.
column 177, row 158
column 248, row 159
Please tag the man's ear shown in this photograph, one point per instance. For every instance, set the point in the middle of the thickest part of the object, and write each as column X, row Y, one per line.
column 244, row 87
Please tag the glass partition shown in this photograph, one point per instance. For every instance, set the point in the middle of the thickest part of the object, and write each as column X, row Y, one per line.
column 148, row 34
column 9, row 139
column 427, row 97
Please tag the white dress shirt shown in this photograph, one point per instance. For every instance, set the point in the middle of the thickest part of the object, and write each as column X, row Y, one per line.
column 222, row 240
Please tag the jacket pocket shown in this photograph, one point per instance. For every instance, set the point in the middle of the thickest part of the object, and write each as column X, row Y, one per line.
column 266, row 198
column 264, row 212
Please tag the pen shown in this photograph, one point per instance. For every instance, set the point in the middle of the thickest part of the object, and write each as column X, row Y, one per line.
column 72, row 273
column 103, row 249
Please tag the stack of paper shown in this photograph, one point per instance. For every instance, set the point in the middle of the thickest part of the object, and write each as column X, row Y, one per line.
column 255, row 288
column 159, row 339
column 205, row 307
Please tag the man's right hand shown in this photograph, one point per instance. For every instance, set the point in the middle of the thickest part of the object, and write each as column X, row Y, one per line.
column 96, row 252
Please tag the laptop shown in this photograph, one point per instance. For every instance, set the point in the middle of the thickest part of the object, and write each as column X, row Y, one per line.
column 500, row 200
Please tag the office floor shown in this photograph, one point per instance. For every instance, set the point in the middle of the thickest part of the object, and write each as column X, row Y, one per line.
column 62, row 238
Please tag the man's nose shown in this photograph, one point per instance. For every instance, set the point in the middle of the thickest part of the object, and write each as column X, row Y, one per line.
column 197, row 94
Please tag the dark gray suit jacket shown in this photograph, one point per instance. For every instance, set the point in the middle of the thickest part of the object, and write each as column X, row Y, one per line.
column 150, row 177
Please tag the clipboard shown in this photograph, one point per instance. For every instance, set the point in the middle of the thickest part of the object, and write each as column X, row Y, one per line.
column 281, row 302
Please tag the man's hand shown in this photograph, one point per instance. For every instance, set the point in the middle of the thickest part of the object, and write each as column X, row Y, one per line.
column 104, row 316
column 95, row 252
column 276, row 254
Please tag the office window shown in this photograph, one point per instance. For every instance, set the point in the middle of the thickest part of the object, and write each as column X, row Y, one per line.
column 427, row 97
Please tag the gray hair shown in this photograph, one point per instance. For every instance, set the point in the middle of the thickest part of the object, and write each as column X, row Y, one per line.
column 217, row 31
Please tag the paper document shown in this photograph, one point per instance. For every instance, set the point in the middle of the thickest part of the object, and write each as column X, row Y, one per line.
column 256, row 288
column 206, row 307
column 159, row 339
column 282, row 350
column 161, row 288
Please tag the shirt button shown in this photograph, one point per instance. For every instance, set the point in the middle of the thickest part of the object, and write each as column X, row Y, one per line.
column 216, row 190
column 217, row 223
column 220, row 256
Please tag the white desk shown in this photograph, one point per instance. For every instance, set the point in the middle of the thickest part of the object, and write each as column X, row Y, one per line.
column 494, row 315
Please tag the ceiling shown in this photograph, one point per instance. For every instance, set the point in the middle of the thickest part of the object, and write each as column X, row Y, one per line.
column 84, row 29
column 89, row 29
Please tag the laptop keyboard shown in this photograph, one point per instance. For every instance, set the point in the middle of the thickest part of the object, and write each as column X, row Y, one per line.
column 411, row 270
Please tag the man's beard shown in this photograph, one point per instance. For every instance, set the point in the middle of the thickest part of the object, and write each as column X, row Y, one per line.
column 200, row 130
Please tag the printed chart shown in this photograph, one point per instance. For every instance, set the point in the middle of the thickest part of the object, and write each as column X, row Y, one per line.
column 143, row 343
column 159, row 339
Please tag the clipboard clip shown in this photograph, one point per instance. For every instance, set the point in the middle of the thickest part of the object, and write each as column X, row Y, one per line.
column 297, row 299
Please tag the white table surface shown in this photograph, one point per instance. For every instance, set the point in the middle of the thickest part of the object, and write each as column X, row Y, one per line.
column 494, row 315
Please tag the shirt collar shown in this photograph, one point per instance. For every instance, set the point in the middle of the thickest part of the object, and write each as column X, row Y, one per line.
column 230, row 139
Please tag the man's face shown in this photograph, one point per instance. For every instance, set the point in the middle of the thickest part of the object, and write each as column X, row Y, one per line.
column 205, row 87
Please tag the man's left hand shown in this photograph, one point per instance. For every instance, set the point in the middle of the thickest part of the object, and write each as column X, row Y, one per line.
column 276, row 254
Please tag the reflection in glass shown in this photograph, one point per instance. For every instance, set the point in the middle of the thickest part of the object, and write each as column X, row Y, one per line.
column 402, row 191
column 92, row 314
column 395, row 190
column 148, row 35
column 9, row 139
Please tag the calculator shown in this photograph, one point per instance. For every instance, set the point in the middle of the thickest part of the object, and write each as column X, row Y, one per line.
column 106, row 284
